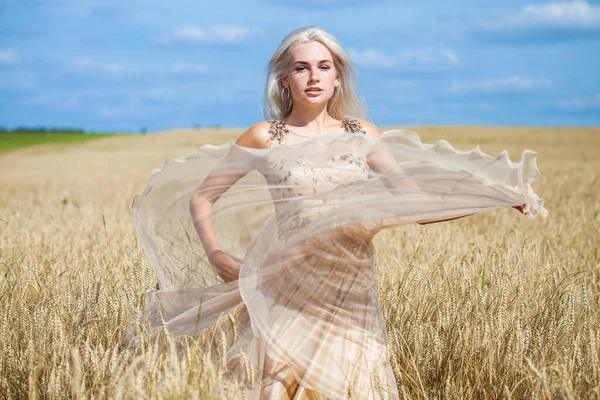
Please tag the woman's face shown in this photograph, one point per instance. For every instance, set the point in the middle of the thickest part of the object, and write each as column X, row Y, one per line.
column 311, row 75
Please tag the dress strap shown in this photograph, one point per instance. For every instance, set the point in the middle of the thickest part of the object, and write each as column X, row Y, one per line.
column 277, row 130
column 351, row 125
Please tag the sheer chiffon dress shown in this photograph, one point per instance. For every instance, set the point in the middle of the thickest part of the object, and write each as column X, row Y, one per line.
column 308, row 317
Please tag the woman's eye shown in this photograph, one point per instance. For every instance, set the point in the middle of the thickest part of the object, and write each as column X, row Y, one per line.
column 325, row 67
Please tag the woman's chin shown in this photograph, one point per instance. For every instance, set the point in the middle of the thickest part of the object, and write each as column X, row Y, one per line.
column 315, row 100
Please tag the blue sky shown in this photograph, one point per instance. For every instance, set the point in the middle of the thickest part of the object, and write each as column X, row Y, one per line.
column 121, row 66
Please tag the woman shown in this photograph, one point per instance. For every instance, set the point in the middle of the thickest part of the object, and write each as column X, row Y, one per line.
column 285, row 218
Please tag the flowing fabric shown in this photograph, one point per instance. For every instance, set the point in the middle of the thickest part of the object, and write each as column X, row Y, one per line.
column 301, row 220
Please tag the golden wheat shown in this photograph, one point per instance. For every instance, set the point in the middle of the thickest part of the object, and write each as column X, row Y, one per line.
column 490, row 306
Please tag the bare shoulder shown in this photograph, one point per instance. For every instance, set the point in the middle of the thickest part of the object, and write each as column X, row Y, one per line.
column 369, row 128
column 257, row 136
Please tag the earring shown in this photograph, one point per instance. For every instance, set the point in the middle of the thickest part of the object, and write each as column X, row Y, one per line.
column 289, row 93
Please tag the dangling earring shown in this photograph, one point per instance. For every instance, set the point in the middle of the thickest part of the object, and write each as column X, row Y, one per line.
column 289, row 93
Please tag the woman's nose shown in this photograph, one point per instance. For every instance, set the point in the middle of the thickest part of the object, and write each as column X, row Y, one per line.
column 314, row 75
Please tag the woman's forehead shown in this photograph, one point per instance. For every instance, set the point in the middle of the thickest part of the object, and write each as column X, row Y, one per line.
column 310, row 52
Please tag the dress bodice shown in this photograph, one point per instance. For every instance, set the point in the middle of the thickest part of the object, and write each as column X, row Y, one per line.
column 295, row 175
column 300, row 176
column 290, row 175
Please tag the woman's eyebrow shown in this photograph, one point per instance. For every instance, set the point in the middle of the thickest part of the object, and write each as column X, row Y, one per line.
column 306, row 63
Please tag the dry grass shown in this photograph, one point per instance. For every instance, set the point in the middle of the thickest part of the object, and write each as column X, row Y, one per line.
column 491, row 306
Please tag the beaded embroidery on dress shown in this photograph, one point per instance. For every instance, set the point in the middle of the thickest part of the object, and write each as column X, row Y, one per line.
column 278, row 130
column 302, row 219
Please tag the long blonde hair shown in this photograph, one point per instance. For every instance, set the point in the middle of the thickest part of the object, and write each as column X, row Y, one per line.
column 339, row 106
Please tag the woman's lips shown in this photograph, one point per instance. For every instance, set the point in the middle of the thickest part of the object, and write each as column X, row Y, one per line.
column 313, row 92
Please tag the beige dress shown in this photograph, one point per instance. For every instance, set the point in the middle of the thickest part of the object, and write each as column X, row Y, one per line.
column 309, row 322
column 320, row 320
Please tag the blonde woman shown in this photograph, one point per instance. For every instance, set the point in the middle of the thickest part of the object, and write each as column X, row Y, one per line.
column 284, row 220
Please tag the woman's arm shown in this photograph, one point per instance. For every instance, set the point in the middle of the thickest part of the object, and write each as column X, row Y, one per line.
column 232, row 168
column 381, row 160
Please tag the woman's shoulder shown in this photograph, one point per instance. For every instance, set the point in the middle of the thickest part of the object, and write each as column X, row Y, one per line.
column 256, row 136
column 362, row 126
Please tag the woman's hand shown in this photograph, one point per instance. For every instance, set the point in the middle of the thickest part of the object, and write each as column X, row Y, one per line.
column 227, row 266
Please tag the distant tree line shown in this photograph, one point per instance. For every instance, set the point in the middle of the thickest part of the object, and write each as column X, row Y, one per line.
column 43, row 129
column 79, row 131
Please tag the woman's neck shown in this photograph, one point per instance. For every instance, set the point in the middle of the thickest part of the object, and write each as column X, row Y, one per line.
column 313, row 121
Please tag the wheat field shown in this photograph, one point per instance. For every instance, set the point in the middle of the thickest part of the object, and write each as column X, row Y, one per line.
column 490, row 306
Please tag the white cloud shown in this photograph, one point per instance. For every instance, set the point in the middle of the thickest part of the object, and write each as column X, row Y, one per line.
column 478, row 106
column 426, row 56
column 9, row 57
column 120, row 111
column 450, row 56
column 89, row 67
column 79, row 98
column 579, row 103
column 324, row 4
column 67, row 101
column 512, row 83
column 371, row 57
column 575, row 14
column 225, row 34
column 430, row 56
column 163, row 94
column 408, row 99
column 83, row 9
column 189, row 69
column 400, row 83
column 186, row 94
